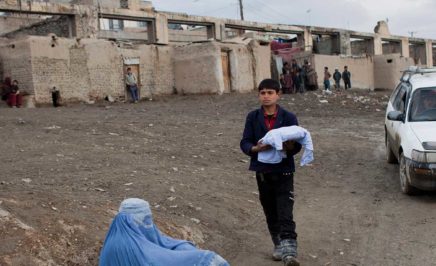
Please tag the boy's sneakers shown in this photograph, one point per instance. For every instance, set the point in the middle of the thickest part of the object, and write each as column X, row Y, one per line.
column 277, row 253
column 290, row 261
column 289, row 252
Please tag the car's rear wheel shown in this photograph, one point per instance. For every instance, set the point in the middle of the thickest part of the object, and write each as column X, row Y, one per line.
column 390, row 156
column 406, row 187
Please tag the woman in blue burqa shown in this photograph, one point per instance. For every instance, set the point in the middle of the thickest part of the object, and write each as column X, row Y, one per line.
column 134, row 240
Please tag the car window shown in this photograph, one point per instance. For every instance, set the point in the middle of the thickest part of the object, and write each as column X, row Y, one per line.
column 399, row 103
column 394, row 94
column 423, row 105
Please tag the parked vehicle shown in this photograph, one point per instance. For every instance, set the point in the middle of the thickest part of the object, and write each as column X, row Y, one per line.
column 410, row 129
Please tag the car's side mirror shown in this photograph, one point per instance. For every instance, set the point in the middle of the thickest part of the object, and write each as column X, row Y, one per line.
column 396, row 116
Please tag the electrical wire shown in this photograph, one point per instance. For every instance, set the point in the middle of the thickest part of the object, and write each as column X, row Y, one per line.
column 257, row 12
column 274, row 11
column 207, row 12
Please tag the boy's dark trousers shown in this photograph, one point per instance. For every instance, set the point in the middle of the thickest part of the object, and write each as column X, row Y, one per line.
column 276, row 194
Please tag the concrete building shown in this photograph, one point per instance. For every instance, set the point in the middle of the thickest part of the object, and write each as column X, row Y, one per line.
column 84, row 46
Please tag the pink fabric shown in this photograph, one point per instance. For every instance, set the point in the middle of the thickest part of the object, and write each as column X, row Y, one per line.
column 15, row 100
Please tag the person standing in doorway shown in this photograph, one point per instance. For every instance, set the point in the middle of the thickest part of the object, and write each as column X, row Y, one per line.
column 275, row 181
column 132, row 85
column 327, row 77
column 337, row 78
column 346, row 76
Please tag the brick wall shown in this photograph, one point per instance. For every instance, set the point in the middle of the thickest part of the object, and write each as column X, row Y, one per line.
column 49, row 72
column 105, row 67
column 160, row 77
column 79, row 72
column 86, row 70
column 156, row 68
column 15, row 63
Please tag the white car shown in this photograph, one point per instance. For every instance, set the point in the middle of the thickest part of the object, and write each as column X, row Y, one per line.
column 410, row 129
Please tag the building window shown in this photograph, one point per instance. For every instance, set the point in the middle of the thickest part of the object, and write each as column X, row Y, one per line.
column 116, row 24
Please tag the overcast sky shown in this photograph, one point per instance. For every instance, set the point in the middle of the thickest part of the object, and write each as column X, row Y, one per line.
column 404, row 16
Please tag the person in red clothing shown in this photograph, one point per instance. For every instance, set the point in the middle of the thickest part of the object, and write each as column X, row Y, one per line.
column 275, row 181
column 14, row 97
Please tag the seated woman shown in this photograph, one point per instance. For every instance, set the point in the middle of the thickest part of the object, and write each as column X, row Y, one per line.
column 133, row 239
column 14, row 95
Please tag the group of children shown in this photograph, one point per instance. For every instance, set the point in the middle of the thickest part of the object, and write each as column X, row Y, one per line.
column 296, row 78
column 291, row 78
column 337, row 76
column 11, row 93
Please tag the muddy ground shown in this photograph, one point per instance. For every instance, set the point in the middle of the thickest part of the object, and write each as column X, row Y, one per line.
column 63, row 173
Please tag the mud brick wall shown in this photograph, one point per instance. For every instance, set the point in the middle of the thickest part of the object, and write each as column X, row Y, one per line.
column 51, row 67
column 15, row 63
column 49, row 72
column 79, row 73
column 241, row 67
column 105, row 69
column 89, row 70
column 387, row 70
column 198, row 69
column 156, row 69
column 262, row 62
column 92, row 69
column 361, row 68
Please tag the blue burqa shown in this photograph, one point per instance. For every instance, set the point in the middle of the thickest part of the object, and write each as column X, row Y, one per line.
column 134, row 240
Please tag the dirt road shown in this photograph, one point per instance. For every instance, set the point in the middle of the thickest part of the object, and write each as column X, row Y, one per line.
column 63, row 173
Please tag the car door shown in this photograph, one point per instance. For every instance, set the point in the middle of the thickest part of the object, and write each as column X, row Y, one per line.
column 390, row 107
column 394, row 127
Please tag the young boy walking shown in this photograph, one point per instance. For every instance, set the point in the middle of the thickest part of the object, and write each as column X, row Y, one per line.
column 275, row 181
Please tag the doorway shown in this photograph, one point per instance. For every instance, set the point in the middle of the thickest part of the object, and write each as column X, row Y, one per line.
column 226, row 71
column 135, row 71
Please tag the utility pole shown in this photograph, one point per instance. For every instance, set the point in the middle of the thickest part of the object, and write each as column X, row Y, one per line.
column 241, row 9
column 412, row 33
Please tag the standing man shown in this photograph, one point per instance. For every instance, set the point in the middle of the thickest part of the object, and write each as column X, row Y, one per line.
column 295, row 72
column 327, row 77
column 337, row 77
column 346, row 76
column 132, row 85
column 275, row 181
column 287, row 78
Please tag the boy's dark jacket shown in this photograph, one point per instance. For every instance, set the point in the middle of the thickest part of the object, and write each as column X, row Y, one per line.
column 255, row 129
